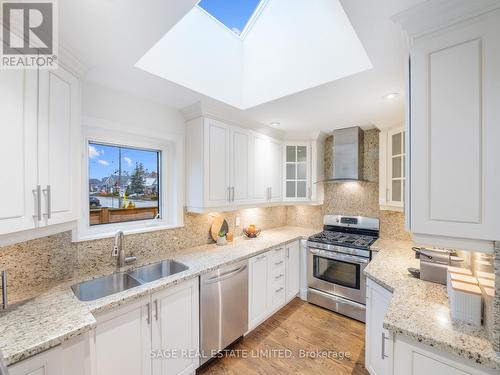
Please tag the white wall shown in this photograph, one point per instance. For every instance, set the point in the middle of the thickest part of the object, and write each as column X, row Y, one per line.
column 114, row 110
column 314, row 44
column 200, row 54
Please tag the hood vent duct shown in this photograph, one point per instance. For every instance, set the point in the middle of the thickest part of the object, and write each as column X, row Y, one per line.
column 348, row 147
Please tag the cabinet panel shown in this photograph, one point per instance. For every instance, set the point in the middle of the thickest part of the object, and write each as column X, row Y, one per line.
column 216, row 163
column 176, row 329
column 378, row 340
column 258, row 290
column 240, row 166
column 123, row 341
column 18, row 151
column 454, row 134
column 292, row 270
column 59, row 135
column 259, row 168
column 275, row 171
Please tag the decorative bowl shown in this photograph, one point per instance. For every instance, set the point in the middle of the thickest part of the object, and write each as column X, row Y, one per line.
column 253, row 234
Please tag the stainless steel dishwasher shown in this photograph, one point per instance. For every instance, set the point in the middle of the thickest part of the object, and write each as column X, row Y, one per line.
column 224, row 308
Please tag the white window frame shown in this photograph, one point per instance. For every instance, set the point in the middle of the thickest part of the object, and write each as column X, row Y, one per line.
column 171, row 185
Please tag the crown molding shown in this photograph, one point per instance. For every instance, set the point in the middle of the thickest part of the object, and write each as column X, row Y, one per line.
column 433, row 15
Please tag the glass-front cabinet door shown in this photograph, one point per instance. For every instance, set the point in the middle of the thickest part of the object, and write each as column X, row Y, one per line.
column 392, row 178
column 297, row 171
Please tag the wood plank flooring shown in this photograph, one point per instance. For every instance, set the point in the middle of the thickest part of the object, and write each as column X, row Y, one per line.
column 275, row 346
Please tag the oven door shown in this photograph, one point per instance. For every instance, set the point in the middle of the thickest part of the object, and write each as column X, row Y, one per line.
column 337, row 273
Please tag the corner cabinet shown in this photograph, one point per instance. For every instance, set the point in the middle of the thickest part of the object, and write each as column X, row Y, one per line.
column 453, row 125
column 157, row 335
column 392, row 159
column 40, row 158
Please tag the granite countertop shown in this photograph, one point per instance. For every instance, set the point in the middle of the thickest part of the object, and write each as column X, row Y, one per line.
column 57, row 315
column 419, row 309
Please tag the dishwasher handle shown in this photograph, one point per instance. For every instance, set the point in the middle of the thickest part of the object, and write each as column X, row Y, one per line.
column 225, row 275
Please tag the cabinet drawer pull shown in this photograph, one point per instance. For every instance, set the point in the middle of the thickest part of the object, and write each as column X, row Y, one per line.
column 384, row 356
column 279, row 276
column 278, row 290
column 278, row 263
column 48, row 197
column 38, row 196
column 260, row 257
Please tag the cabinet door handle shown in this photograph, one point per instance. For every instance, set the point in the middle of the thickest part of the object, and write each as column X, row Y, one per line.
column 48, row 197
column 229, row 193
column 383, row 355
column 288, row 252
column 156, row 309
column 270, row 193
column 148, row 317
column 232, row 192
column 38, row 196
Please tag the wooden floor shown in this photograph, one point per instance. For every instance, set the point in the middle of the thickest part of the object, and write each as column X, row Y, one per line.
column 298, row 326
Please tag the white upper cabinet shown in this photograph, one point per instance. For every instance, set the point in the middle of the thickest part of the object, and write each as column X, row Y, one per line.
column 240, row 171
column 259, row 171
column 40, row 118
column 297, row 171
column 275, row 170
column 453, row 127
column 18, row 90
column 216, row 164
column 392, row 160
column 59, row 133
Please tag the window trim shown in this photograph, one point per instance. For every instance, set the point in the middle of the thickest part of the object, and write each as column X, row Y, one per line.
column 171, row 194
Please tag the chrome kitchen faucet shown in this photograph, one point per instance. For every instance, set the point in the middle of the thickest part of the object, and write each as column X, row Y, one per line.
column 119, row 251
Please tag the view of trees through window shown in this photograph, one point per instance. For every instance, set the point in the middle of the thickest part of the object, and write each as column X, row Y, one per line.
column 123, row 184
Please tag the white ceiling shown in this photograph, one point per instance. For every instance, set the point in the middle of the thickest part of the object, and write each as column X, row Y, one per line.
column 291, row 45
column 120, row 32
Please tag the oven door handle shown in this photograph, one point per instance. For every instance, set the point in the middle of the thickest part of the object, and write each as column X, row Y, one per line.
column 337, row 256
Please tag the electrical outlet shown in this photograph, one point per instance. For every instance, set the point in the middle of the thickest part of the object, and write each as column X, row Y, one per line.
column 237, row 222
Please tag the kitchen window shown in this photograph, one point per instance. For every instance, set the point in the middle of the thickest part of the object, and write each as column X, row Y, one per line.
column 124, row 184
column 130, row 182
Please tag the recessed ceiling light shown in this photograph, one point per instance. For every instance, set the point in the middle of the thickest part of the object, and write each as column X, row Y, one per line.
column 391, row 96
column 275, row 123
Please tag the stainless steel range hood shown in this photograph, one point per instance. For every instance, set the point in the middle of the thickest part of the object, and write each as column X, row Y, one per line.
column 347, row 155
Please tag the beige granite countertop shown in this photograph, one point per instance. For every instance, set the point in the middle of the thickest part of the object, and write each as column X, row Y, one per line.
column 419, row 309
column 57, row 315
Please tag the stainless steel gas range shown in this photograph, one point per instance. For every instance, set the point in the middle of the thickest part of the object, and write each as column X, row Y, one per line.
column 335, row 262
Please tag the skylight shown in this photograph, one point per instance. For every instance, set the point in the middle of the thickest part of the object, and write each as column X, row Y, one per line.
column 232, row 14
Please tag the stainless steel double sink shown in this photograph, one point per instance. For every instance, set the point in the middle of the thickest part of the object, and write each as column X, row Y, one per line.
column 118, row 282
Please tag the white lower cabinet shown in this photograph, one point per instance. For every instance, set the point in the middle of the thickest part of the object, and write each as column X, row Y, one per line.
column 379, row 342
column 412, row 358
column 273, row 282
column 122, row 340
column 71, row 357
column 155, row 335
column 292, row 261
column 258, row 305
column 176, row 329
